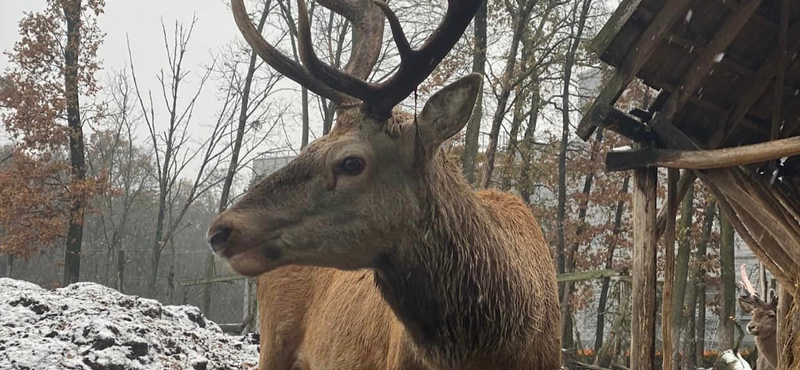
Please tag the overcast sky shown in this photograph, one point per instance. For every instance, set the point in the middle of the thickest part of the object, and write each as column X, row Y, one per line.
column 140, row 20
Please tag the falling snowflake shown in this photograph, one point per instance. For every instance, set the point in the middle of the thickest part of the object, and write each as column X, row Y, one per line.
column 688, row 16
column 718, row 57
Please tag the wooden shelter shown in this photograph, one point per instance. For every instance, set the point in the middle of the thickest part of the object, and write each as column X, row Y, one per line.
column 728, row 112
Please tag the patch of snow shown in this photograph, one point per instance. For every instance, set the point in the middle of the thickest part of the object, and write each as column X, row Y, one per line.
column 688, row 16
column 718, row 57
column 88, row 326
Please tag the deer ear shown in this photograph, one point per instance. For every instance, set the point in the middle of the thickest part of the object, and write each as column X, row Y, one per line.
column 447, row 111
column 773, row 298
column 746, row 305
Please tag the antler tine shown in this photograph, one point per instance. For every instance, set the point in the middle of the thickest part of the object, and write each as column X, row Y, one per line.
column 368, row 25
column 335, row 78
column 274, row 58
column 415, row 66
column 749, row 291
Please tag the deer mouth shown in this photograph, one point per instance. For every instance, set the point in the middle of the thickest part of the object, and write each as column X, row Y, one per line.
column 252, row 259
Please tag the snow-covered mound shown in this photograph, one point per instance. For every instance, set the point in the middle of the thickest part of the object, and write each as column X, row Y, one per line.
column 88, row 326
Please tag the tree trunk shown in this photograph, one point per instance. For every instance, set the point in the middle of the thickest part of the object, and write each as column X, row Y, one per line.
column 474, row 124
column 700, row 325
column 564, row 289
column 72, row 258
column 304, row 102
column 681, row 273
column 237, row 145
column 728, row 275
column 511, row 59
column 699, row 274
column 603, row 301
column 528, row 149
column 567, row 332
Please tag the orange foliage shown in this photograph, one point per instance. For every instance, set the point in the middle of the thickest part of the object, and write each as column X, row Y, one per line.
column 36, row 188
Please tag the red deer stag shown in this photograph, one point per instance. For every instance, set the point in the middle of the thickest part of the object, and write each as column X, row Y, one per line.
column 372, row 250
column 763, row 324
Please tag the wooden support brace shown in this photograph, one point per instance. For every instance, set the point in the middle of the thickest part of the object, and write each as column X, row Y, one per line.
column 703, row 159
column 636, row 58
column 624, row 124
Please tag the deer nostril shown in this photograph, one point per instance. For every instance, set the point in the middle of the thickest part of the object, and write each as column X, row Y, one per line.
column 219, row 237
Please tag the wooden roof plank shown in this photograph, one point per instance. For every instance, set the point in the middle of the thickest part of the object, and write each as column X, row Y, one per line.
column 764, row 76
column 715, row 49
column 614, row 24
column 635, row 59
column 780, row 79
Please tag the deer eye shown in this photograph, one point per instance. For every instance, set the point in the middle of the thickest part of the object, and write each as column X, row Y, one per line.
column 351, row 166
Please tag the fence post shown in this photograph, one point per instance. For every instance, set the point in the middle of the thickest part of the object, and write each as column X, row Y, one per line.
column 120, row 270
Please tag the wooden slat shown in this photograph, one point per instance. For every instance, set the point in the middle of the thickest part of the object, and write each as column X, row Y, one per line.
column 764, row 76
column 701, row 66
column 614, row 24
column 703, row 159
column 766, row 22
column 777, row 109
column 699, row 44
column 635, row 59
column 643, row 270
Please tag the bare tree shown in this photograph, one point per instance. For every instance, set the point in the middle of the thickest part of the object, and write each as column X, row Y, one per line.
column 115, row 152
column 173, row 148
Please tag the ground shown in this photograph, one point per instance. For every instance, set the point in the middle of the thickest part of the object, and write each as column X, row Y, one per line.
column 90, row 326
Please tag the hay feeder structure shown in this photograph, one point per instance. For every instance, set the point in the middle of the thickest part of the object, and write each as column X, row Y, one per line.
column 728, row 113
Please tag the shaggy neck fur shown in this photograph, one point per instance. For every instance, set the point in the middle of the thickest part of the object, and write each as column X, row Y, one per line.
column 450, row 280
column 765, row 343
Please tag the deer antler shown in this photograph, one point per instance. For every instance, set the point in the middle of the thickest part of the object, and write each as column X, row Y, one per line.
column 367, row 22
column 415, row 65
column 339, row 85
column 749, row 293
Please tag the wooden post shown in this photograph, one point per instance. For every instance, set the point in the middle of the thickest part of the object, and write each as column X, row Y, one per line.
column 643, row 271
column 784, row 329
column 669, row 271
column 120, row 270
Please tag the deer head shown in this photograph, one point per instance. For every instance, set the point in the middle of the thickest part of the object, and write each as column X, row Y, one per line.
column 763, row 322
column 347, row 196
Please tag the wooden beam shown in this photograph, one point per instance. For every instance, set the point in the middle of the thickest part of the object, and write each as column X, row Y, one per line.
column 775, row 132
column 703, row 159
column 624, row 124
column 618, row 19
column 670, row 134
column 637, row 56
column 588, row 275
column 699, row 44
column 669, row 270
column 758, row 17
column 763, row 77
column 702, row 65
column 643, row 270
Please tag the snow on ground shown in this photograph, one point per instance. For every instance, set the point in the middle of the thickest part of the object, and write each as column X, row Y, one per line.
column 87, row 326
